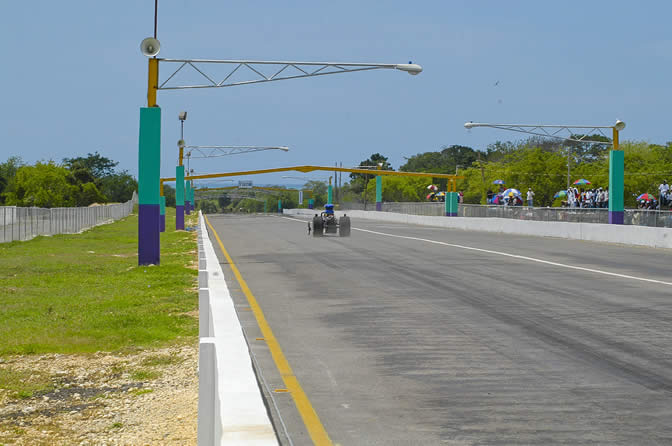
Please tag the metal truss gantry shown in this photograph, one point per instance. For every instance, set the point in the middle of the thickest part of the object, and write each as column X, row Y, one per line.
column 281, row 70
column 199, row 152
column 563, row 132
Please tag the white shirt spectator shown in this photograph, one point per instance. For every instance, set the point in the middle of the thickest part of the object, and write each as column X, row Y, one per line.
column 663, row 188
column 530, row 195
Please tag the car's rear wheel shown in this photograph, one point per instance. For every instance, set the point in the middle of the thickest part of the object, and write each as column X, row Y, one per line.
column 317, row 227
column 344, row 226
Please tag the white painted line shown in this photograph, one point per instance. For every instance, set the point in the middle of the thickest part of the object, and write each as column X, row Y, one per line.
column 505, row 254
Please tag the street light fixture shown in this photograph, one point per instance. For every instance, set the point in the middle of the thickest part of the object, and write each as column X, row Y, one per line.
column 566, row 133
column 149, row 154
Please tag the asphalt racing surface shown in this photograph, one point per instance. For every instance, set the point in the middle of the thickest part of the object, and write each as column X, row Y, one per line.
column 412, row 335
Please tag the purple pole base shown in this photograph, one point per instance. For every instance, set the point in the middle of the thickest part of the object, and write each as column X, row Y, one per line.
column 187, row 207
column 616, row 217
column 162, row 223
column 379, row 206
column 179, row 218
column 451, row 214
column 148, row 234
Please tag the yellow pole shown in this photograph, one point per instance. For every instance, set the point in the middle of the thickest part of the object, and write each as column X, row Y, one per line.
column 181, row 155
column 161, row 188
column 615, row 138
column 152, row 82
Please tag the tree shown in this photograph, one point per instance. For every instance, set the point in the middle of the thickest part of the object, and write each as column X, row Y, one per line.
column 319, row 189
column 207, row 206
column 98, row 165
column 445, row 161
column 43, row 185
column 360, row 181
column 8, row 171
column 118, row 187
column 169, row 193
column 88, row 194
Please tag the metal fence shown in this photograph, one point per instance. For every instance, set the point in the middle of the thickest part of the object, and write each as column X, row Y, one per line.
column 638, row 217
column 21, row 223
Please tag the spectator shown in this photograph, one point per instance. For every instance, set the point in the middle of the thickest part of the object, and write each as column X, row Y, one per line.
column 571, row 199
column 530, row 197
column 490, row 196
column 664, row 188
column 601, row 198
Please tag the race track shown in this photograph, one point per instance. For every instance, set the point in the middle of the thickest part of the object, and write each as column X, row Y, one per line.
column 410, row 335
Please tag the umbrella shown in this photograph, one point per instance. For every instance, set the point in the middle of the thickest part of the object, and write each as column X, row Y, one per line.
column 560, row 194
column 441, row 194
column 430, row 196
column 645, row 196
column 582, row 182
column 498, row 182
column 510, row 190
column 432, row 187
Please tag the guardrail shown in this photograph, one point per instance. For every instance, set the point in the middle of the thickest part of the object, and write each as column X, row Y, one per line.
column 636, row 217
column 21, row 223
column 231, row 409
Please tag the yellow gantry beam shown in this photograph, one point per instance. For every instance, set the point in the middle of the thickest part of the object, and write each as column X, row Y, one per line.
column 306, row 169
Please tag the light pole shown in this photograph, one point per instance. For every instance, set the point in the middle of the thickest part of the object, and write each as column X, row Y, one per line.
column 149, row 153
column 566, row 133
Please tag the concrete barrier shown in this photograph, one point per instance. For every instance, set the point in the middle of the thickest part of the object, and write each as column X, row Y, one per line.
column 623, row 234
column 231, row 409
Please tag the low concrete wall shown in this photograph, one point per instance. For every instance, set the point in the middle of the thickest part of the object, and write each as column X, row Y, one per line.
column 231, row 409
column 625, row 234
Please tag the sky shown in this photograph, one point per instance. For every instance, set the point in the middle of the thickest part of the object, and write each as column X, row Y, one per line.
column 74, row 80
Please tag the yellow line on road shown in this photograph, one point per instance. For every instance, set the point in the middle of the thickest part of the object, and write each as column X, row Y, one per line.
column 313, row 424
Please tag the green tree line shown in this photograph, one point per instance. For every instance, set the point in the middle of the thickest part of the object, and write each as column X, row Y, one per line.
column 534, row 163
column 77, row 181
column 256, row 200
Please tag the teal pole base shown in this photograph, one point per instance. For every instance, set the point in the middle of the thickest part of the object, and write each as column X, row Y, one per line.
column 616, row 217
column 451, row 204
column 149, row 201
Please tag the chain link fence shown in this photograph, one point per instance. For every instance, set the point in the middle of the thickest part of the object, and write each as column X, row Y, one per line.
column 638, row 217
column 21, row 223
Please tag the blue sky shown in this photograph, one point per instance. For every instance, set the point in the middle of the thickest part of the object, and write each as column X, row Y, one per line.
column 73, row 78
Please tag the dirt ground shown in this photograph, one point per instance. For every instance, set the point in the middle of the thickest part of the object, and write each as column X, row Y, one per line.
column 148, row 397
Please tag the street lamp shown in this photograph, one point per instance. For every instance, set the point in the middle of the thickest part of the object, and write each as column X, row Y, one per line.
column 149, row 152
column 566, row 133
column 184, row 197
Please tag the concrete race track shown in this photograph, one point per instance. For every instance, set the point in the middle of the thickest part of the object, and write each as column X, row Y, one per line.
column 405, row 341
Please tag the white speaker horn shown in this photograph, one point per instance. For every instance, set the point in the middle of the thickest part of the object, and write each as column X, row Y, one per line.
column 150, row 47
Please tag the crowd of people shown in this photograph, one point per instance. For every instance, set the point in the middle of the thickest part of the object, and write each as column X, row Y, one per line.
column 589, row 198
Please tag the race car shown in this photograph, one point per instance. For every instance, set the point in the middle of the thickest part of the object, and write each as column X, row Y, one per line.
column 326, row 223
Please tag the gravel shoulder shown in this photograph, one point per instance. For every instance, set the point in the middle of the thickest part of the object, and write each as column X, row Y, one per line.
column 144, row 397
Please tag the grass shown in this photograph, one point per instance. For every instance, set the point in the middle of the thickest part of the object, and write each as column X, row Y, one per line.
column 24, row 384
column 161, row 360
column 145, row 375
column 83, row 293
column 142, row 392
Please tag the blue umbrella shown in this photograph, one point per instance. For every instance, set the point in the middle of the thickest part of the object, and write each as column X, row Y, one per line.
column 516, row 192
column 562, row 193
column 498, row 182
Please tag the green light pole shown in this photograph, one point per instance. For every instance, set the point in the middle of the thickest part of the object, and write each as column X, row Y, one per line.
column 567, row 132
column 149, row 217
